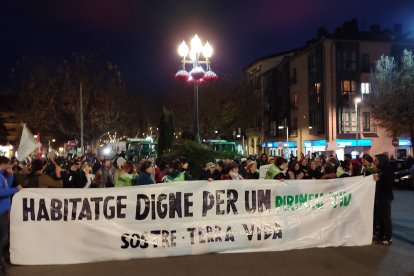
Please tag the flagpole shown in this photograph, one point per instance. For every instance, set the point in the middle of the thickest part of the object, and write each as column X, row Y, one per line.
column 81, row 116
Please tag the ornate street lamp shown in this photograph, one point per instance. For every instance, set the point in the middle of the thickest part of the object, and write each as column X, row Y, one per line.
column 198, row 55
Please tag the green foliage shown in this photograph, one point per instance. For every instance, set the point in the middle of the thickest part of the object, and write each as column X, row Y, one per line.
column 393, row 102
column 166, row 131
column 198, row 155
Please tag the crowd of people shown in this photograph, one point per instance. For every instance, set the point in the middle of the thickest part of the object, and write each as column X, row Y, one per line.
column 99, row 172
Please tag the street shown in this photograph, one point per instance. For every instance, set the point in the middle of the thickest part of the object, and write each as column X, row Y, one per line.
column 367, row 260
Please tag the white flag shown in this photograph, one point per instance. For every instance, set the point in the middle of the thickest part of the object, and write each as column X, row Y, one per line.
column 27, row 144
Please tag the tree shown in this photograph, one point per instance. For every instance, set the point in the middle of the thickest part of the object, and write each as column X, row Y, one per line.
column 224, row 106
column 392, row 100
column 49, row 98
column 166, row 131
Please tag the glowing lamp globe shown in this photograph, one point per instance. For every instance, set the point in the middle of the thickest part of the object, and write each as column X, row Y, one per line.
column 196, row 44
column 207, row 50
column 210, row 76
column 197, row 72
column 183, row 49
column 182, row 75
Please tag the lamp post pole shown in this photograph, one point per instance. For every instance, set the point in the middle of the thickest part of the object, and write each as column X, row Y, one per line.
column 197, row 121
column 287, row 135
column 357, row 101
column 197, row 74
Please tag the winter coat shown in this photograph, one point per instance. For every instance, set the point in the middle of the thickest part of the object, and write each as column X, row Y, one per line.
column 144, row 179
column 250, row 175
column 6, row 191
column 205, row 175
column 386, row 178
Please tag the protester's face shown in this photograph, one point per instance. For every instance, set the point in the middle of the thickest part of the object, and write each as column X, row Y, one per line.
column 4, row 167
column 376, row 161
column 185, row 166
column 75, row 167
column 264, row 158
column 150, row 170
column 235, row 170
column 107, row 164
column 253, row 168
column 271, row 161
column 212, row 169
column 304, row 162
column 313, row 166
column 297, row 167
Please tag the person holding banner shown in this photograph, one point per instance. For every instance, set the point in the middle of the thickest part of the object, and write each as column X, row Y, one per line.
column 383, row 197
column 6, row 191
column 233, row 172
column 252, row 172
column 277, row 170
column 210, row 173
column 146, row 170
column 174, row 174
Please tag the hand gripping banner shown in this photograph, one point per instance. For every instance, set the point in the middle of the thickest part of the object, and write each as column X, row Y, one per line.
column 68, row 226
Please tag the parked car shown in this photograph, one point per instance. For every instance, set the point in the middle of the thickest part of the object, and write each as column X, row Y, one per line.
column 402, row 173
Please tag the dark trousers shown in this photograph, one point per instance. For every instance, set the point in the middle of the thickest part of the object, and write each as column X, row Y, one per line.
column 4, row 234
column 383, row 217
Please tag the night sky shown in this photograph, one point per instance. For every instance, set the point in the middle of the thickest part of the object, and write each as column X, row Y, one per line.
column 142, row 36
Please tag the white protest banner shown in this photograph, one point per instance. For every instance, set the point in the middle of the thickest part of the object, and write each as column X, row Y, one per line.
column 67, row 226
column 263, row 170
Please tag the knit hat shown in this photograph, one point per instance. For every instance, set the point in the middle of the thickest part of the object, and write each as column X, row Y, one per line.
column 210, row 165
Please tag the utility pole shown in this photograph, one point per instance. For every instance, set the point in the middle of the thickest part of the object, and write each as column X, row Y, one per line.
column 81, row 116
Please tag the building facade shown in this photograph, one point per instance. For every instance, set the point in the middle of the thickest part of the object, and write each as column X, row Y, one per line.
column 309, row 95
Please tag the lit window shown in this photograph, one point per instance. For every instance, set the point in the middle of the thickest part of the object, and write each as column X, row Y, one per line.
column 318, row 91
column 348, row 87
column 365, row 88
column 295, row 98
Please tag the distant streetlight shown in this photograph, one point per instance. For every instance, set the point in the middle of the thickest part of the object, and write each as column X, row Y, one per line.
column 310, row 127
column 216, row 132
column 357, row 101
column 287, row 134
column 197, row 74
column 51, row 140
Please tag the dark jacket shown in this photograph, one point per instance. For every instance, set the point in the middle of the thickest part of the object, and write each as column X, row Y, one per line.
column 316, row 174
column 250, row 175
column 75, row 179
column 206, row 174
column 386, row 178
column 144, row 179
